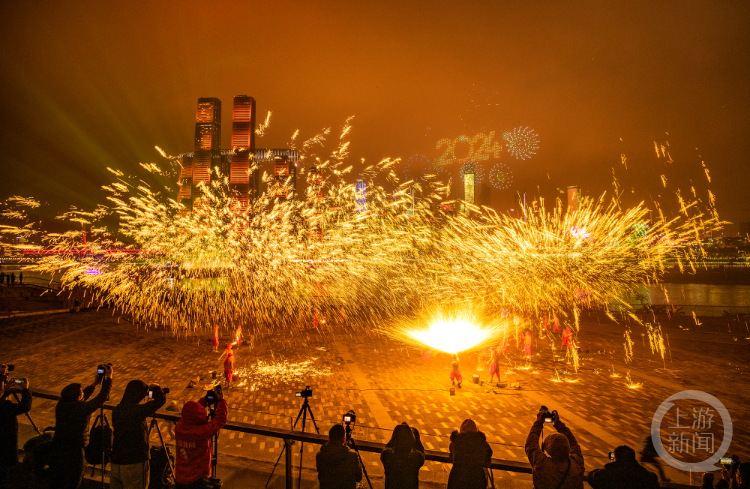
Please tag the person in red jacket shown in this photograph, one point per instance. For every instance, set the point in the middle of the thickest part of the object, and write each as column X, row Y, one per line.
column 194, row 433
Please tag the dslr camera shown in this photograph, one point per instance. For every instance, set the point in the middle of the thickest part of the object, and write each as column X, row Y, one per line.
column 212, row 396
column 547, row 416
column 349, row 418
column 307, row 392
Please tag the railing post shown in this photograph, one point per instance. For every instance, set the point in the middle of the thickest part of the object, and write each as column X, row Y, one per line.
column 288, row 463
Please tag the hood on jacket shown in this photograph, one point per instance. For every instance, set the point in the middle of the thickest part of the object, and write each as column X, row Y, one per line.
column 193, row 413
column 134, row 393
column 403, row 438
column 557, row 446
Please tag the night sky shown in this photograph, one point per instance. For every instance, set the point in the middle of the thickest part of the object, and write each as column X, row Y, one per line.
column 87, row 85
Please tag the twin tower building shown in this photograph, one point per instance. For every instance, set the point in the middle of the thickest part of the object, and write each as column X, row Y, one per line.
column 242, row 163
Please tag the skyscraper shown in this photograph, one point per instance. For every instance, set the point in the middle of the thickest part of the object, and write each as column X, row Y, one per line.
column 361, row 195
column 243, row 183
column 242, row 163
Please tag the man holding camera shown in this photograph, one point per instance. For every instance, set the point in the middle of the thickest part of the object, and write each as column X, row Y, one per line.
column 72, row 415
column 9, row 411
column 561, row 467
column 130, row 446
column 624, row 473
column 338, row 467
column 194, row 433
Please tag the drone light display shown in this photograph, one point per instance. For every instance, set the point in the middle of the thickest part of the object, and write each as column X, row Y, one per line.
column 416, row 167
column 473, row 168
column 481, row 147
column 522, row 142
column 501, row 177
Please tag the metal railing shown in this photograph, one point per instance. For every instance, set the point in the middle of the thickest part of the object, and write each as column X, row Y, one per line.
column 288, row 436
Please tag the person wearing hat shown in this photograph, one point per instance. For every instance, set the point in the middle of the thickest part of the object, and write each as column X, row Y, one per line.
column 558, row 463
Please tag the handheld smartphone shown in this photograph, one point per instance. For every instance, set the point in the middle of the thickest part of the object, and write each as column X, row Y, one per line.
column 150, row 394
column 611, row 455
column 19, row 381
column 100, row 370
column 726, row 461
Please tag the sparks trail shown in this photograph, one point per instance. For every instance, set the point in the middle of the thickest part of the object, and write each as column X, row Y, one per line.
column 276, row 263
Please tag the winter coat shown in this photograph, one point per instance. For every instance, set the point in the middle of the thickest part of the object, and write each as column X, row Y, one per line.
column 470, row 452
column 548, row 471
column 72, row 417
column 338, row 467
column 623, row 474
column 130, row 444
column 193, row 434
column 402, row 458
column 9, row 427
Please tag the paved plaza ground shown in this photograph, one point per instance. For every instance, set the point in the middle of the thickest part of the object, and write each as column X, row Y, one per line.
column 387, row 382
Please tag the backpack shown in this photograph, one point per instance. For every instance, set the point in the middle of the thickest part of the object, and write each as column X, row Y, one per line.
column 100, row 442
column 161, row 473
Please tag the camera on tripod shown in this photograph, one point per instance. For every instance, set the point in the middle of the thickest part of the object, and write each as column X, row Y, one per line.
column 307, row 392
column 212, row 396
column 547, row 416
column 349, row 418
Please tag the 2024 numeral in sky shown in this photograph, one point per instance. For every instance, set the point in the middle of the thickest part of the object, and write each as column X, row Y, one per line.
column 480, row 148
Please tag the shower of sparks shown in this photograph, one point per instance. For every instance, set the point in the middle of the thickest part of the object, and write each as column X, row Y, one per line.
column 522, row 142
column 630, row 383
column 273, row 263
column 264, row 373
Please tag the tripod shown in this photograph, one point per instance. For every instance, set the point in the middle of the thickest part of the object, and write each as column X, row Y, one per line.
column 15, row 395
column 303, row 411
column 350, row 441
column 214, row 448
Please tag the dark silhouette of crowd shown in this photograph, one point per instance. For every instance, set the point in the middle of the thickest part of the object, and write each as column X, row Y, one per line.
column 58, row 460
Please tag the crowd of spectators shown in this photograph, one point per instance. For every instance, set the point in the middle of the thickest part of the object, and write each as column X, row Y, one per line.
column 58, row 460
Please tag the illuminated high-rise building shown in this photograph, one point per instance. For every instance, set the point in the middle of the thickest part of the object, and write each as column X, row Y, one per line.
column 469, row 190
column 574, row 197
column 196, row 167
column 361, row 195
column 241, row 164
column 243, row 183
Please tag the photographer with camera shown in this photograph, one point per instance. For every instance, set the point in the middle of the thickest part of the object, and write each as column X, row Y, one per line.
column 338, row 466
column 72, row 416
column 402, row 458
column 9, row 411
column 561, row 467
column 624, row 473
column 470, row 453
column 194, row 433
column 130, row 446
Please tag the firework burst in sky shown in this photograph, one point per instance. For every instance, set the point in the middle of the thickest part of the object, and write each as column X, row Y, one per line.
column 522, row 142
column 501, row 177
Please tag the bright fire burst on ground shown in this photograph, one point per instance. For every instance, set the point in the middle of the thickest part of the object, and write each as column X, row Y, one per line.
column 450, row 334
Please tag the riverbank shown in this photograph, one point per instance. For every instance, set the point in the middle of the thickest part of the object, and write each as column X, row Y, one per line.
column 724, row 275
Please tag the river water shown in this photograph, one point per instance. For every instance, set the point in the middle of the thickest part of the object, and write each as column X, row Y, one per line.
column 708, row 299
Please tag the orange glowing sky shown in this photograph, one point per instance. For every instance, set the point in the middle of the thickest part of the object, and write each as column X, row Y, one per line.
column 99, row 84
